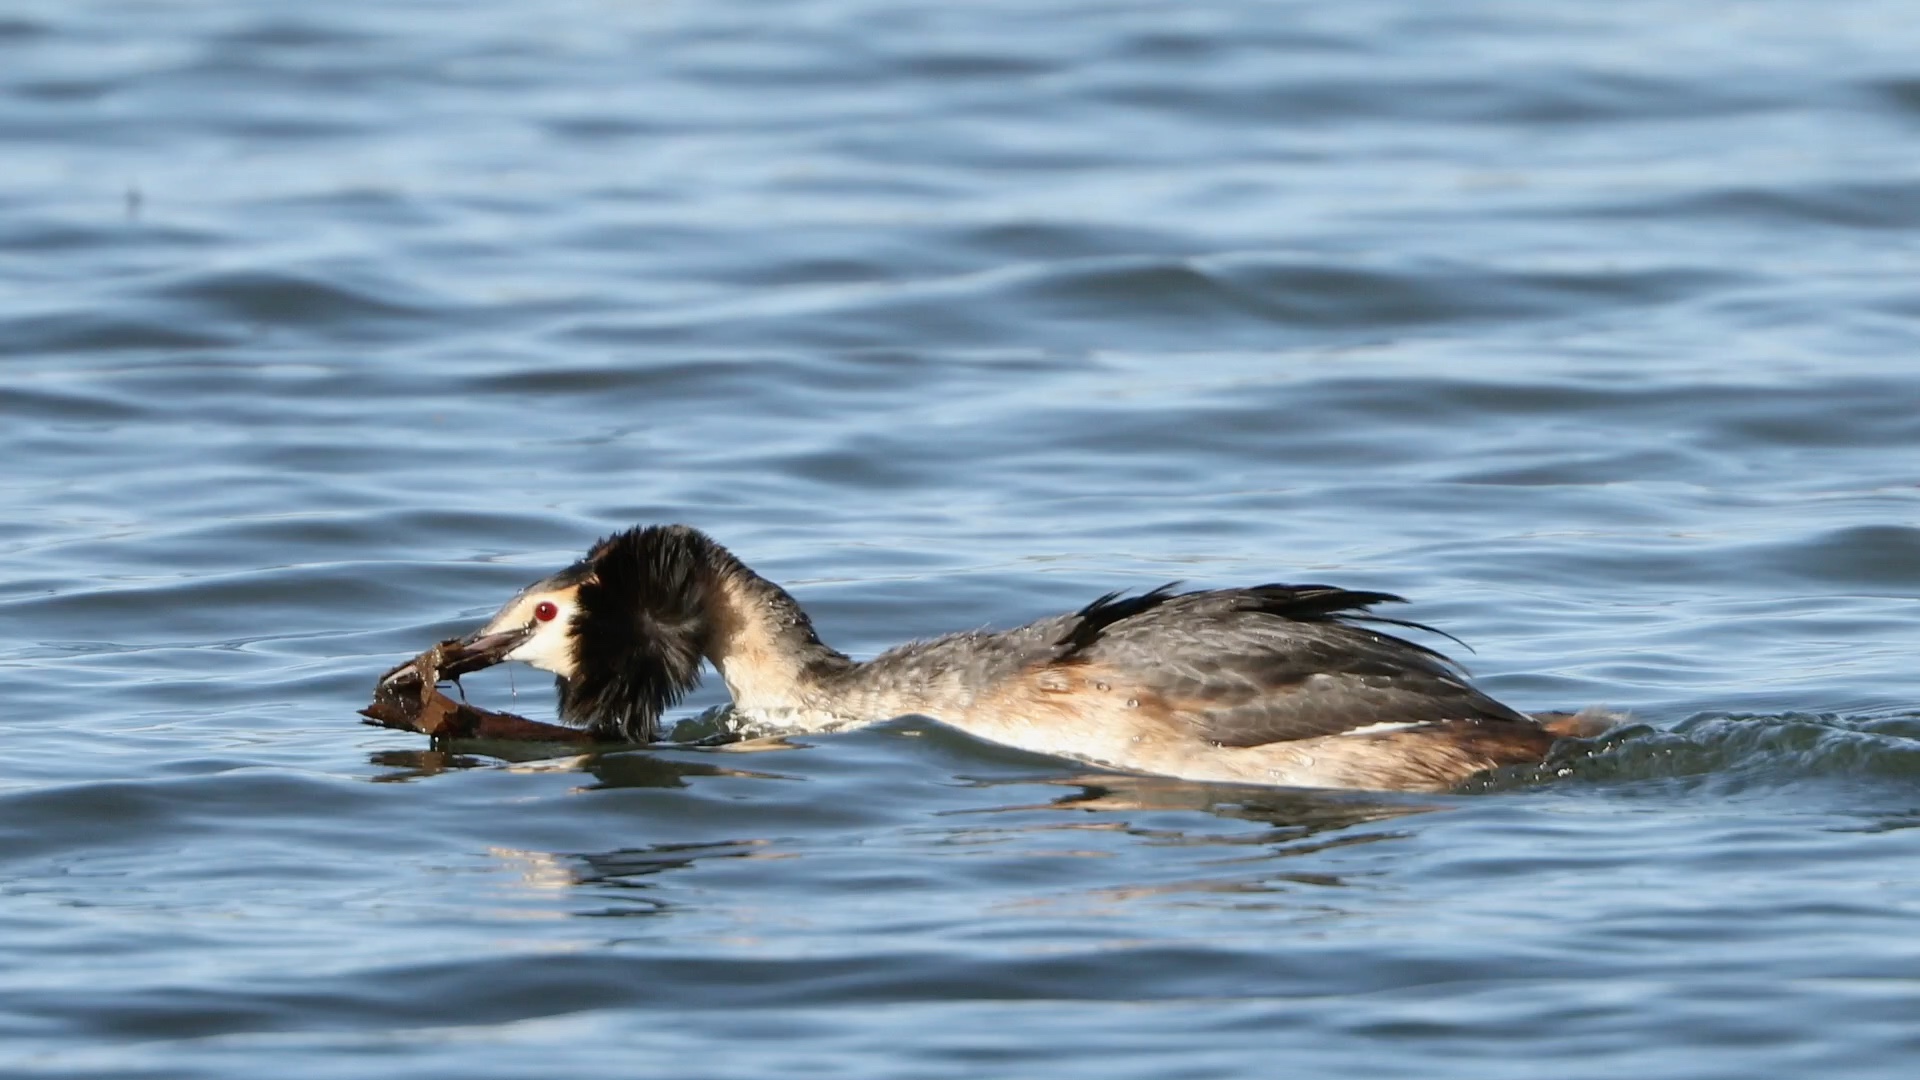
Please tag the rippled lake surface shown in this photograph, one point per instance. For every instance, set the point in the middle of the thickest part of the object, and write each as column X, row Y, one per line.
column 1593, row 329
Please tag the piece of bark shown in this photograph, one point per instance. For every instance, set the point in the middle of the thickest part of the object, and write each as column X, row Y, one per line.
column 408, row 698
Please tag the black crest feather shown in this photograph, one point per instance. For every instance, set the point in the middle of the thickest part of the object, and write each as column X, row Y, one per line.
column 640, row 629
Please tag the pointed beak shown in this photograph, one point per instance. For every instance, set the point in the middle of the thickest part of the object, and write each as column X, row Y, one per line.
column 452, row 659
column 480, row 650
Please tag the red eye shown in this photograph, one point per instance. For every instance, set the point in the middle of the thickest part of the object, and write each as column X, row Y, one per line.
column 545, row 610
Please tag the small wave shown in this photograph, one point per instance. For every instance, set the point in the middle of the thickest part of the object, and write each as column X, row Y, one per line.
column 283, row 297
column 1732, row 752
column 67, row 406
column 1858, row 205
column 66, row 819
column 1870, row 556
column 88, row 332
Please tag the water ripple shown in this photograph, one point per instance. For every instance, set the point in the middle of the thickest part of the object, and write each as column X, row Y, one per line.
column 330, row 328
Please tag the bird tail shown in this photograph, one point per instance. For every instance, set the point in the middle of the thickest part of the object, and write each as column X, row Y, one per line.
column 1589, row 723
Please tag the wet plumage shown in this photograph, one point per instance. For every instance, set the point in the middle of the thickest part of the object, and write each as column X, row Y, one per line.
column 1276, row 684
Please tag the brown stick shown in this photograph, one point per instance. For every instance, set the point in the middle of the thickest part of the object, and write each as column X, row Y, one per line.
column 409, row 699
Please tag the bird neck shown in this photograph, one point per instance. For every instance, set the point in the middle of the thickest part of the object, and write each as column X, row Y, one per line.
column 763, row 644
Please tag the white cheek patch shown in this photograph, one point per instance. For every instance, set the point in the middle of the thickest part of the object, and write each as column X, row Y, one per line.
column 550, row 648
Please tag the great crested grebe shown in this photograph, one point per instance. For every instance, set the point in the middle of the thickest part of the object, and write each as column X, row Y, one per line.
column 1275, row 684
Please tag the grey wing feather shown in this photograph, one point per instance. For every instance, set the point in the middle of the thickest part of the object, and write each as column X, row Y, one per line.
column 1248, row 667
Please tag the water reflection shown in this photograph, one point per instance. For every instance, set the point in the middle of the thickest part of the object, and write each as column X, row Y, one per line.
column 414, row 764
column 623, row 877
column 1293, row 813
column 1080, row 840
column 609, row 769
column 1226, row 862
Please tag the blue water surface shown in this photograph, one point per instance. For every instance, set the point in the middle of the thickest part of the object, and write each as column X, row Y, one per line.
column 1592, row 329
